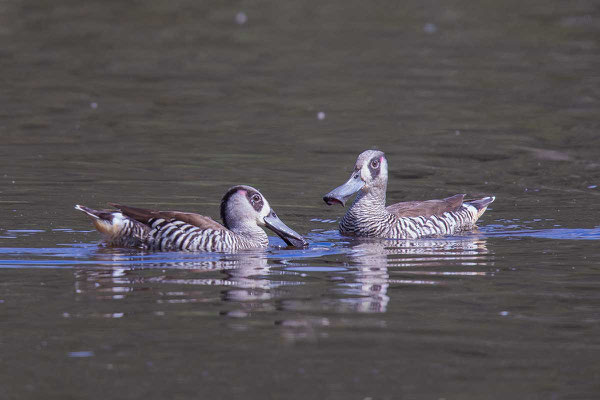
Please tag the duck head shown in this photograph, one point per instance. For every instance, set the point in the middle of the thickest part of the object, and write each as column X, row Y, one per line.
column 244, row 208
column 369, row 176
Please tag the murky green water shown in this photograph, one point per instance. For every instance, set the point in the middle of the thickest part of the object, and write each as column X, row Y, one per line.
column 167, row 104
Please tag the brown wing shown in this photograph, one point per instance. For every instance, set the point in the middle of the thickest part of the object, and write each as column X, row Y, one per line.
column 143, row 215
column 426, row 208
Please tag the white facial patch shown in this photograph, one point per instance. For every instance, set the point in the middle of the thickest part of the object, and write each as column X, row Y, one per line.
column 365, row 174
column 384, row 168
column 266, row 210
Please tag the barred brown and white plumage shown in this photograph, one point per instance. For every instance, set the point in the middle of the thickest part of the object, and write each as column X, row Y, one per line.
column 243, row 209
column 368, row 216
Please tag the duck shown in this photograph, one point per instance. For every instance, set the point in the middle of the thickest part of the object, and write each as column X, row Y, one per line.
column 368, row 215
column 244, row 211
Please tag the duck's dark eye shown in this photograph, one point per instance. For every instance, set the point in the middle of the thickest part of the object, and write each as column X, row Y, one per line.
column 256, row 200
column 375, row 163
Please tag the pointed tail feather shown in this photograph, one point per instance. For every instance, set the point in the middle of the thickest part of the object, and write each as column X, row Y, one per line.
column 106, row 222
column 89, row 211
column 118, row 229
column 481, row 204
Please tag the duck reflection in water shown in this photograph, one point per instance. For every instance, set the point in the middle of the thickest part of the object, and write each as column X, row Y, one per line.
column 244, row 284
column 244, row 279
column 381, row 263
column 379, row 270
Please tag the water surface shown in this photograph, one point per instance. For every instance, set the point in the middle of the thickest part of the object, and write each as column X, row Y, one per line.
column 167, row 105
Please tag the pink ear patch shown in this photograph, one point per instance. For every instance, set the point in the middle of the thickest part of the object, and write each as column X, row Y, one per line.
column 242, row 191
column 381, row 159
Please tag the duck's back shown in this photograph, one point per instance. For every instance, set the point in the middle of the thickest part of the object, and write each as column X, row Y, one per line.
column 426, row 208
column 162, row 230
column 412, row 220
column 454, row 220
column 176, row 230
